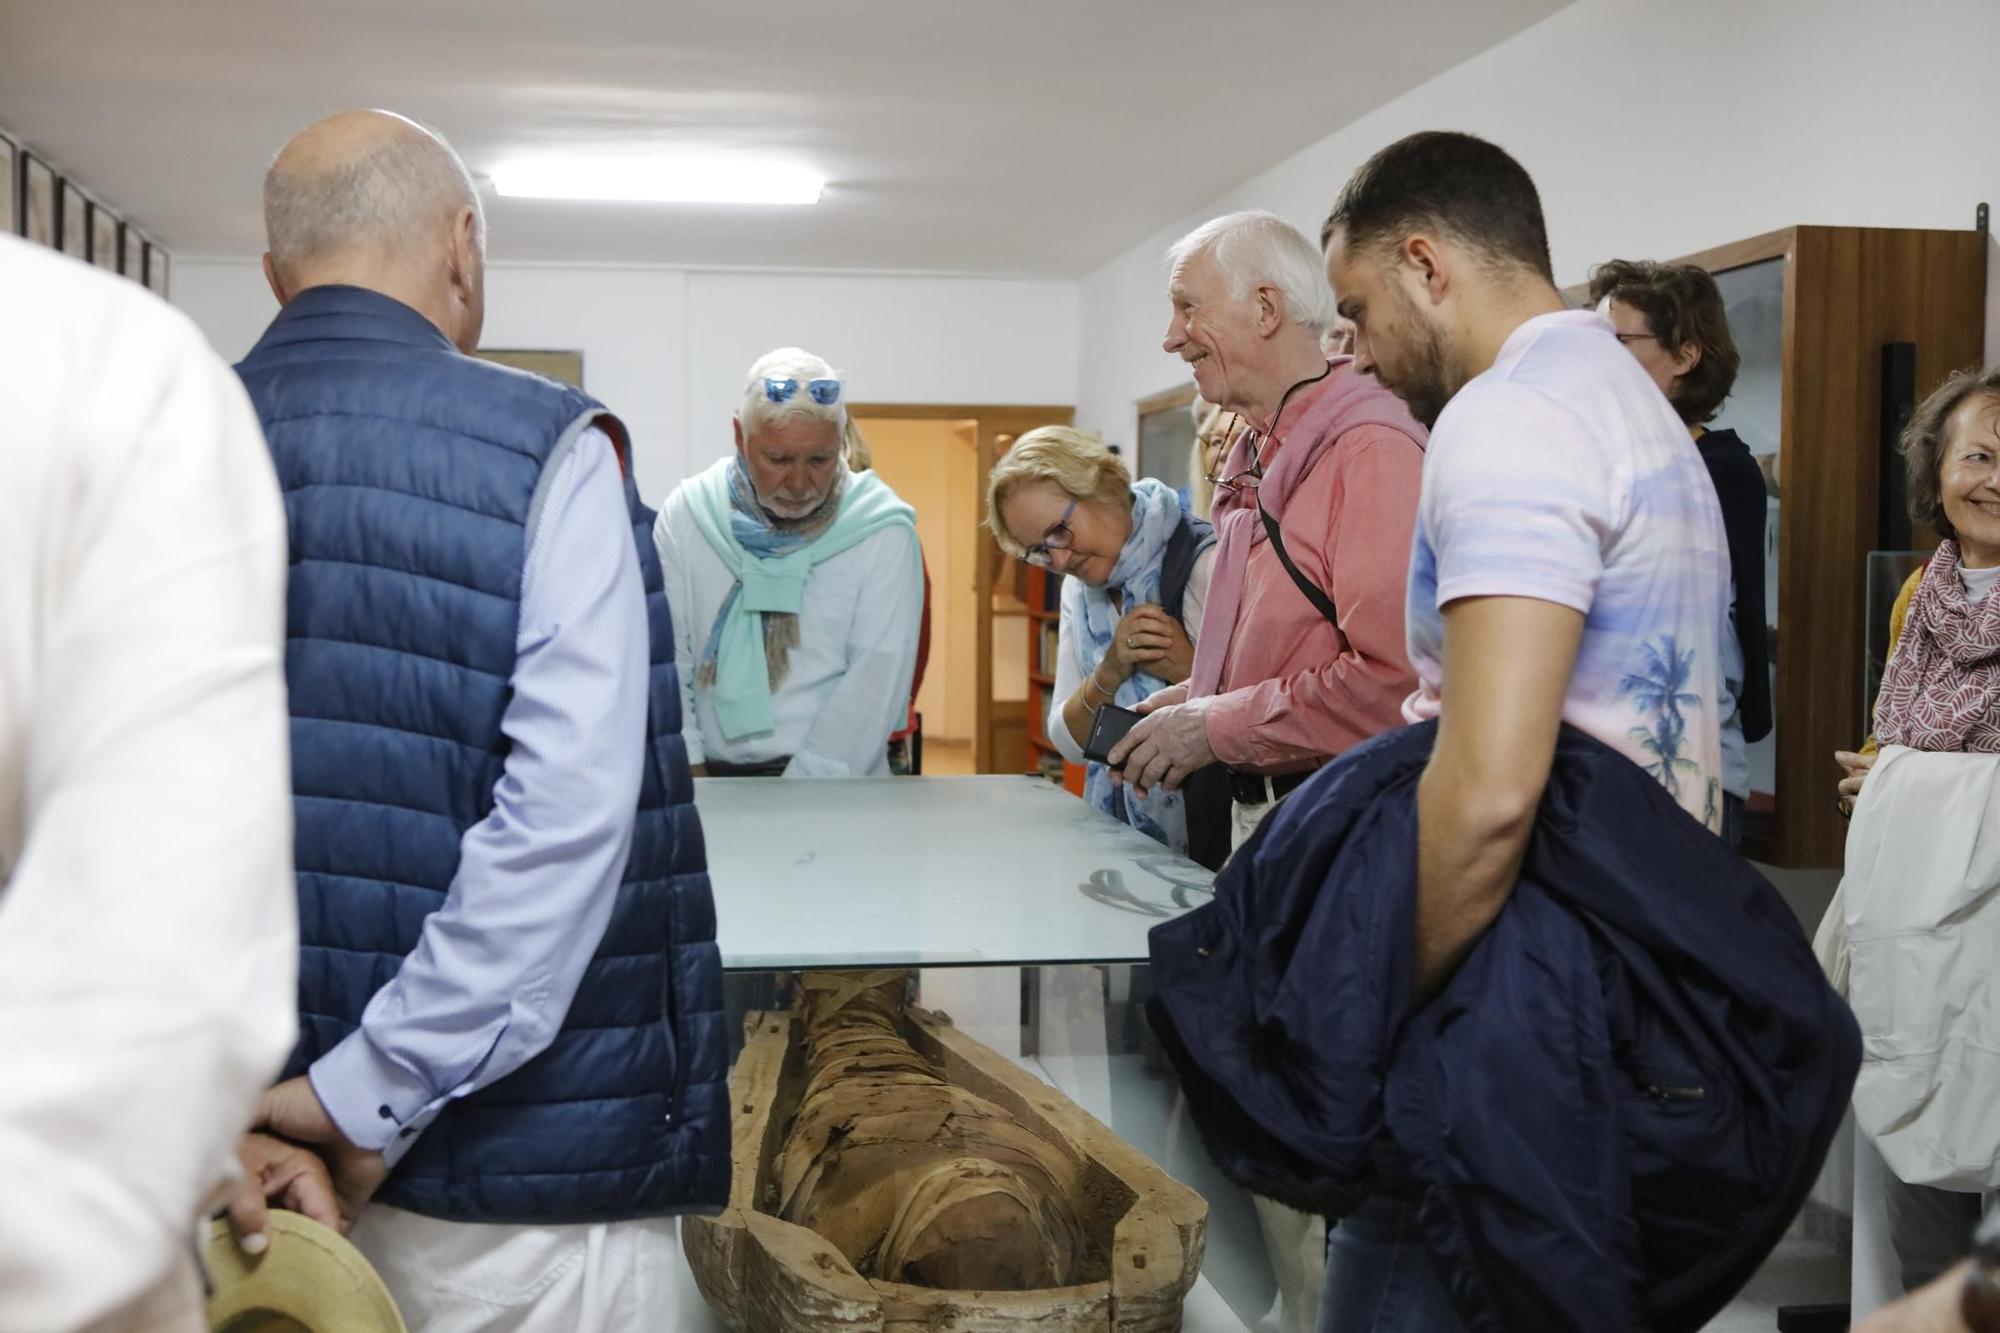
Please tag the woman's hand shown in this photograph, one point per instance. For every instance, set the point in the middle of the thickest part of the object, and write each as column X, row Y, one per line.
column 1138, row 637
column 1856, row 767
column 1171, row 661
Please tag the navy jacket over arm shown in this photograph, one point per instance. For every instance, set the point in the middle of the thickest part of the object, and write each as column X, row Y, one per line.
column 1615, row 1106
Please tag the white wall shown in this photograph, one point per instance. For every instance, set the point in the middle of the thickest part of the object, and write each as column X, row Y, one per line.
column 667, row 348
column 1652, row 128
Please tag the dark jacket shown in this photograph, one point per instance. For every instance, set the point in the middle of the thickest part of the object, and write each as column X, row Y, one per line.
column 1205, row 793
column 409, row 473
column 1739, row 486
column 1611, row 1111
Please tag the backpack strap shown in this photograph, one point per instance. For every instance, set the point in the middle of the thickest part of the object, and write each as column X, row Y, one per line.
column 1177, row 565
column 1313, row 592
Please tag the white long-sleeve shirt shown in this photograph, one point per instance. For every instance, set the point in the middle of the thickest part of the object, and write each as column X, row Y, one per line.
column 148, row 933
column 848, row 686
column 488, row 985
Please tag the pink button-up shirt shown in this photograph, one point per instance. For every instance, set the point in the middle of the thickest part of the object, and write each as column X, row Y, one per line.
column 1295, row 691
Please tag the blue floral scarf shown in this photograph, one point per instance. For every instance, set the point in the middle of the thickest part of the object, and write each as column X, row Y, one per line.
column 1095, row 613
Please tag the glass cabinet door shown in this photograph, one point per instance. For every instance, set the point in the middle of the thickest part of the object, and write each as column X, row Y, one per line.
column 1755, row 298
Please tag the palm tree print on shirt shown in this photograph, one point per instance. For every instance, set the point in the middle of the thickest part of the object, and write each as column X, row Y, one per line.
column 1659, row 691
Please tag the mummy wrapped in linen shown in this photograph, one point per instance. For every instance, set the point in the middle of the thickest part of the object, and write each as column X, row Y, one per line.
column 891, row 1173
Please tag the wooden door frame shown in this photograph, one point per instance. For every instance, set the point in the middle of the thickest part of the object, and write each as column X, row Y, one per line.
column 994, row 420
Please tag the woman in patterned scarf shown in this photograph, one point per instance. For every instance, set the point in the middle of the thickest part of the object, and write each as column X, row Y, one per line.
column 1941, row 689
column 1139, row 567
column 1912, row 884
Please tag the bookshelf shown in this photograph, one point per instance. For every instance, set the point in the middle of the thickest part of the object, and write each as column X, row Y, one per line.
column 1043, row 595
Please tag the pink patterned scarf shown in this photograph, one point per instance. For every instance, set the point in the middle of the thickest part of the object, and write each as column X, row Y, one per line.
column 1941, row 690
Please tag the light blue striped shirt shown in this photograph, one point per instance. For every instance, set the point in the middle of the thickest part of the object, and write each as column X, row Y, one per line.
column 494, row 972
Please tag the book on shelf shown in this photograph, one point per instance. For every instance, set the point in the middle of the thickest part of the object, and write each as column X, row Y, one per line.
column 1051, row 590
column 1050, row 765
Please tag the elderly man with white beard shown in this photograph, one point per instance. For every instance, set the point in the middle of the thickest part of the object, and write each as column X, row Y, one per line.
column 796, row 587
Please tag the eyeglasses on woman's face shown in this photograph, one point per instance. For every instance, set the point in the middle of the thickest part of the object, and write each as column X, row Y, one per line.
column 1057, row 538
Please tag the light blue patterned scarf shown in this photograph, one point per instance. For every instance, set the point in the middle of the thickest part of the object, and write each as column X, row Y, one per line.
column 1156, row 513
column 749, row 644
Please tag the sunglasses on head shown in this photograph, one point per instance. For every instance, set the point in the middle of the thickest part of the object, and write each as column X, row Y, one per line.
column 783, row 390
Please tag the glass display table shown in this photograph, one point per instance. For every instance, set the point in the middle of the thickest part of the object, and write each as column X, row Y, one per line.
column 931, row 872
column 1025, row 913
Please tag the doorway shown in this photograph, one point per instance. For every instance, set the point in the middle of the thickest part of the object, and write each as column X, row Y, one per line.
column 933, row 464
column 974, row 696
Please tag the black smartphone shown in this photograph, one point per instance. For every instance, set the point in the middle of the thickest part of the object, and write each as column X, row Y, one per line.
column 1108, row 728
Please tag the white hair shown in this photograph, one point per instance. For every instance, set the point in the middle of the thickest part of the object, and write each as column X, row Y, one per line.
column 1254, row 249
column 789, row 363
column 394, row 193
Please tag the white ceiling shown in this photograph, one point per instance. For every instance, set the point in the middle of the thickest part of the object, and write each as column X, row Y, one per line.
column 1011, row 136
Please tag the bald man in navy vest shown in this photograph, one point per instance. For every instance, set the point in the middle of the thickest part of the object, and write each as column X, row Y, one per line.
column 510, row 1029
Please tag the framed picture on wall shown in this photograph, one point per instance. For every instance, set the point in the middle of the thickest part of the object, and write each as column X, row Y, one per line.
column 38, row 200
column 132, row 252
column 1166, row 437
column 564, row 366
column 73, row 221
column 157, row 261
column 103, row 237
column 10, row 187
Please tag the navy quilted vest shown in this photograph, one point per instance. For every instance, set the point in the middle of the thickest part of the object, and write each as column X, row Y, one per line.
column 409, row 472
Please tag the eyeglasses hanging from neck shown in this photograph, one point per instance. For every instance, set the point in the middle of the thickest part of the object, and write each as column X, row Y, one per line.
column 1255, row 439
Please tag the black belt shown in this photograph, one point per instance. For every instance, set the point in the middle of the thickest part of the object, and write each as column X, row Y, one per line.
column 768, row 768
column 1249, row 788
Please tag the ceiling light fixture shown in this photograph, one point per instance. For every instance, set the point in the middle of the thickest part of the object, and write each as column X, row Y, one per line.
column 655, row 180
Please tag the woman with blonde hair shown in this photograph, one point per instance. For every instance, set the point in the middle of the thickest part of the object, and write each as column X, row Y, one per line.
column 1139, row 568
column 1214, row 431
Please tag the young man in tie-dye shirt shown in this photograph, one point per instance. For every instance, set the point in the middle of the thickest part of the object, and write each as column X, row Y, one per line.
column 1569, row 567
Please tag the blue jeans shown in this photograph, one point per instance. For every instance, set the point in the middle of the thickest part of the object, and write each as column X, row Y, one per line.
column 1380, row 1277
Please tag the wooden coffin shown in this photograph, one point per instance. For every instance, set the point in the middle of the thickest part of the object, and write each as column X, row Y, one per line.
column 762, row 1274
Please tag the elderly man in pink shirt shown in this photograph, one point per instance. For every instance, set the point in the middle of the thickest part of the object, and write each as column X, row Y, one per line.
column 1293, row 665
column 1334, row 462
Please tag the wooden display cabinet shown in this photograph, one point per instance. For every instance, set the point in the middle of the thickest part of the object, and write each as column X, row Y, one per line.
column 1811, row 309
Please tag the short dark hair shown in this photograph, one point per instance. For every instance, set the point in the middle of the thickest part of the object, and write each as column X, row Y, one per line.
column 1682, row 305
column 1455, row 182
column 1923, row 444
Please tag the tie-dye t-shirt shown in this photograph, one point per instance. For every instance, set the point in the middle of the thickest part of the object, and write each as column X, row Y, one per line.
column 1563, row 475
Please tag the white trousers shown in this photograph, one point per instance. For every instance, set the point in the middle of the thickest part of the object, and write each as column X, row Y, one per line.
column 472, row 1277
column 1294, row 1242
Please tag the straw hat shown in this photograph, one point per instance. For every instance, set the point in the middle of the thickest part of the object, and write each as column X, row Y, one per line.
column 310, row 1281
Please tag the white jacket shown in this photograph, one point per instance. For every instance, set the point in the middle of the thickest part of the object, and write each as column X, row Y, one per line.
column 1920, row 906
column 148, row 927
